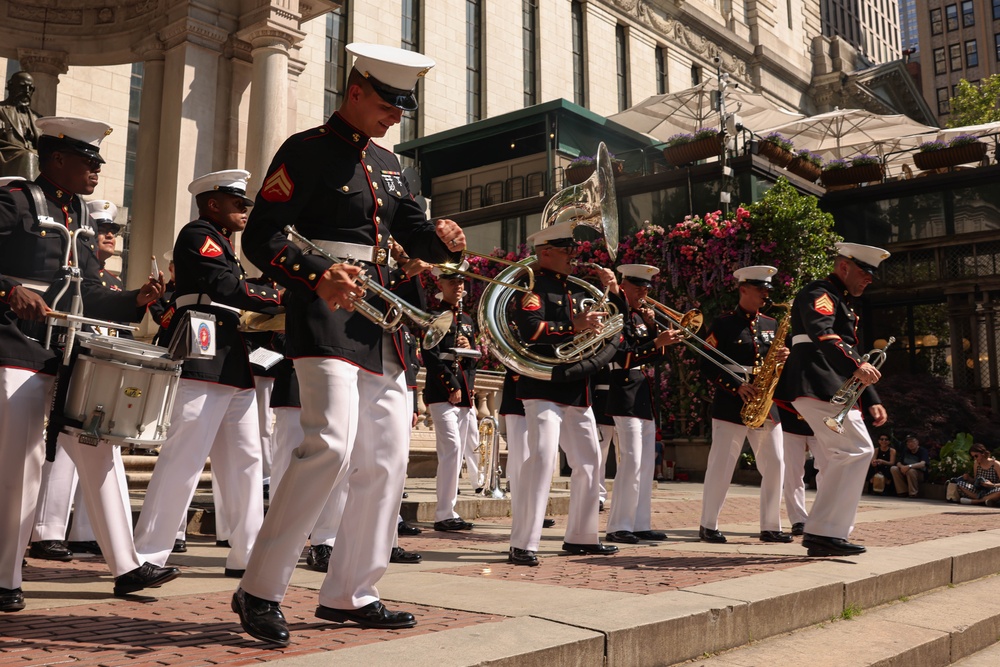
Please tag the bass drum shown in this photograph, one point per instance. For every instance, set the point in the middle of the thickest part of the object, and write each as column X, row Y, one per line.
column 504, row 342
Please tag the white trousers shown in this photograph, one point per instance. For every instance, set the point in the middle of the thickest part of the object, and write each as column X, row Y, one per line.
column 24, row 398
column 551, row 425
column 517, row 446
column 454, row 429
column 372, row 450
column 794, row 487
column 843, row 459
column 264, row 387
column 632, row 504
column 605, row 433
column 214, row 420
column 60, row 493
column 727, row 441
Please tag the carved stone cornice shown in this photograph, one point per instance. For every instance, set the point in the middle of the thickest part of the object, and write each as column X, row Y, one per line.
column 188, row 29
column 43, row 62
column 149, row 47
column 270, row 35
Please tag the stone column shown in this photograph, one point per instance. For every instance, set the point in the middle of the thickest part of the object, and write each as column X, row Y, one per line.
column 142, row 243
column 267, row 126
column 45, row 67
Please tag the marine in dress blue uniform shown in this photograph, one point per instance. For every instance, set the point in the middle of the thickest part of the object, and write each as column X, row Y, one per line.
column 31, row 258
column 215, row 407
column 745, row 335
column 825, row 354
column 630, row 403
column 347, row 194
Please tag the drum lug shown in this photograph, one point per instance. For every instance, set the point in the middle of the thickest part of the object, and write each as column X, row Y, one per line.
column 92, row 434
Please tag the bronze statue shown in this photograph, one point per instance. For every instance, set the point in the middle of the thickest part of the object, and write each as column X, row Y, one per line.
column 18, row 134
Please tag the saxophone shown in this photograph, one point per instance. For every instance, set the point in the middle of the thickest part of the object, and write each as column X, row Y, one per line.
column 755, row 411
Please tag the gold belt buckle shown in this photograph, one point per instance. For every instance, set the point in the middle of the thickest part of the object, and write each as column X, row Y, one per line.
column 381, row 254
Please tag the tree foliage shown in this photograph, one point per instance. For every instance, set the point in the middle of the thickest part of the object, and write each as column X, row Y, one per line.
column 976, row 103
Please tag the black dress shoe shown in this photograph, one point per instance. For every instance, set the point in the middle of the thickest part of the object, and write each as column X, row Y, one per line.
column 318, row 557
column 91, row 547
column 821, row 545
column 146, row 575
column 50, row 550
column 400, row 555
column 548, row 523
column 221, row 543
column 774, row 536
column 709, row 535
column 600, row 506
column 405, row 529
column 453, row 524
column 234, row 573
column 522, row 557
column 180, row 547
column 11, row 599
column 591, row 549
column 622, row 537
column 261, row 619
column 650, row 534
column 374, row 615
column 798, row 528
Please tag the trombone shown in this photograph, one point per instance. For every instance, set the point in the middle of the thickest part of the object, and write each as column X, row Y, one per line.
column 690, row 323
column 436, row 326
column 453, row 267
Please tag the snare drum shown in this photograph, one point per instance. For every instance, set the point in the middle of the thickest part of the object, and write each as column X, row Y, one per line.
column 121, row 391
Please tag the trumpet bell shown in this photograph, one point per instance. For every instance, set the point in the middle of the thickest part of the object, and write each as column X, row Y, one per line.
column 592, row 203
column 437, row 328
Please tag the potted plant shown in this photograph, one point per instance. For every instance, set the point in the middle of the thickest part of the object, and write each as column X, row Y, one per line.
column 937, row 154
column 579, row 169
column 806, row 164
column 850, row 171
column 776, row 148
column 684, row 148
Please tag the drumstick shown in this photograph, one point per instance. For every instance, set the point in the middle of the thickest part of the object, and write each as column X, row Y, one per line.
column 155, row 271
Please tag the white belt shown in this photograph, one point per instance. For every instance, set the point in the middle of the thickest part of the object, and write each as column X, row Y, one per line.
column 37, row 285
column 202, row 300
column 602, row 387
column 615, row 366
column 365, row 253
column 801, row 338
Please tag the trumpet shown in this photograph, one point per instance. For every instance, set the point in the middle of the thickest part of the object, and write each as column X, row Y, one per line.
column 588, row 342
column 454, row 267
column 436, row 326
column 849, row 392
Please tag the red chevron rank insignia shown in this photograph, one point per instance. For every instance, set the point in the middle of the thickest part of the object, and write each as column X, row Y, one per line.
column 210, row 248
column 278, row 187
column 823, row 305
column 531, row 301
column 712, row 341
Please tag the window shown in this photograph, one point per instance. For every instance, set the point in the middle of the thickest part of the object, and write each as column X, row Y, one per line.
column 996, row 45
column 936, row 26
column 473, row 61
column 335, row 72
column 951, row 15
column 944, row 106
column 529, row 35
column 621, row 51
column 661, row 70
column 955, row 56
column 132, row 137
column 968, row 14
column 695, row 75
column 410, row 41
column 579, row 80
column 940, row 64
column 971, row 54
column 996, row 10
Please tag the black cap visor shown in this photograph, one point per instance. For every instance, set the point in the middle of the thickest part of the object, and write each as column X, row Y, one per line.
column 108, row 225
column 562, row 243
column 397, row 97
column 65, row 143
column 758, row 283
column 864, row 266
column 238, row 192
column 638, row 282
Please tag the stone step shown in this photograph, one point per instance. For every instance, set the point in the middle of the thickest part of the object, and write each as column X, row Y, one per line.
column 945, row 626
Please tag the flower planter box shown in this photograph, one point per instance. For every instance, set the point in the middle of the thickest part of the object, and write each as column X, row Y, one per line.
column 804, row 169
column 775, row 153
column 949, row 157
column 577, row 175
column 693, row 151
column 862, row 173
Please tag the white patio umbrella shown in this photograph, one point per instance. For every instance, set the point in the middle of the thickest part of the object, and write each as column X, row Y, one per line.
column 662, row 116
column 842, row 131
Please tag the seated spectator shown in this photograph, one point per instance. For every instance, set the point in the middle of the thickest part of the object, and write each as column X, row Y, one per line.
column 982, row 487
column 910, row 468
column 882, row 461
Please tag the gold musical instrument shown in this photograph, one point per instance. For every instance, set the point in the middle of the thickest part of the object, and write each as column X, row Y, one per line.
column 435, row 326
column 454, row 267
column 590, row 204
column 489, row 458
column 692, row 320
column 851, row 390
column 252, row 321
column 765, row 380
